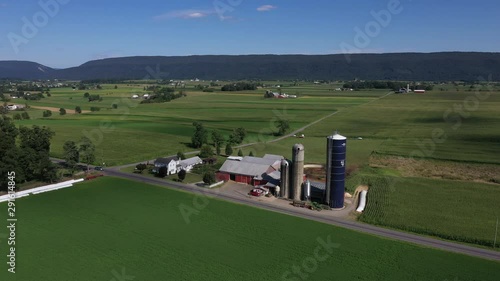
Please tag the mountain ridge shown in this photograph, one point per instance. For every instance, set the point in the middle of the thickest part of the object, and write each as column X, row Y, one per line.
column 438, row 66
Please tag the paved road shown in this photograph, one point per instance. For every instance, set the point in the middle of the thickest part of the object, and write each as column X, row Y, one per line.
column 320, row 217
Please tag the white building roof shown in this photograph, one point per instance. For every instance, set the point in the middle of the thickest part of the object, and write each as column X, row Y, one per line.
column 244, row 168
column 190, row 161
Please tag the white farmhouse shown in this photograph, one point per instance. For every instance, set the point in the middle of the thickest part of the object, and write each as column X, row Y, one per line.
column 171, row 163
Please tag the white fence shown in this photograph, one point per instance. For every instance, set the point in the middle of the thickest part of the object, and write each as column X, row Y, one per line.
column 40, row 189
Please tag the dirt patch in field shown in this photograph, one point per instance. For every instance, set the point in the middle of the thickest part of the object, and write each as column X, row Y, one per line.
column 55, row 109
column 317, row 174
column 439, row 169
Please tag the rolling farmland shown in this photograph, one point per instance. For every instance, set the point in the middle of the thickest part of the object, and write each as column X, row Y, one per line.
column 143, row 234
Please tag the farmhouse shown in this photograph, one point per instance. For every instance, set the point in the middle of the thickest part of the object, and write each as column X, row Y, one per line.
column 188, row 164
column 171, row 163
column 252, row 170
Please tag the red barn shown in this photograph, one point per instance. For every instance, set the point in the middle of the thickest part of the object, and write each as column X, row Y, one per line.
column 250, row 170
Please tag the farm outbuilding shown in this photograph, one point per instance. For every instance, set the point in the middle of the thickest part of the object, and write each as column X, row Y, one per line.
column 252, row 170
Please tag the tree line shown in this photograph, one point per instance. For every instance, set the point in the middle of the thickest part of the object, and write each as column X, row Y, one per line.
column 25, row 150
column 200, row 139
column 393, row 85
column 240, row 86
column 164, row 94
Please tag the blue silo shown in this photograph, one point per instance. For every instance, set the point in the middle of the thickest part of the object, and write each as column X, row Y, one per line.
column 335, row 170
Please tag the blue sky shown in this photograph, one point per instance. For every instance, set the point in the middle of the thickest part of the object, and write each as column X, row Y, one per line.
column 72, row 32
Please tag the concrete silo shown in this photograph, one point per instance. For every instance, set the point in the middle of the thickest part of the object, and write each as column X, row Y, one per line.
column 297, row 170
column 335, row 170
column 285, row 179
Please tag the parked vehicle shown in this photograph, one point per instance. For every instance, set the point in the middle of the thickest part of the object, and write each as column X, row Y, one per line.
column 257, row 192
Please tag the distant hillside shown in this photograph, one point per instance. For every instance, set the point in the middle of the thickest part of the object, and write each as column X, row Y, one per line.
column 396, row 66
column 24, row 70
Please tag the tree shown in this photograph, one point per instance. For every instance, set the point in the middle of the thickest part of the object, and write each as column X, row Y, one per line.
column 87, row 151
column 71, row 154
column 86, row 95
column 251, row 153
column 237, row 136
column 209, row 177
column 62, row 111
column 116, row 86
column 162, row 172
column 9, row 155
column 283, row 126
column 25, row 115
column 47, row 113
column 181, row 155
column 181, row 175
column 240, row 153
column 206, row 151
column 218, row 140
column 3, row 109
column 229, row 149
column 18, row 116
column 34, row 147
column 200, row 136
column 141, row 167
column 115, row 106
column 78, row 109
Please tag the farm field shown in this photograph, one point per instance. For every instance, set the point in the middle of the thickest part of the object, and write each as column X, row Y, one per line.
column 110, row 226
column 465, row 130
column 404, row 126
column 454, row 210
column 147, row 131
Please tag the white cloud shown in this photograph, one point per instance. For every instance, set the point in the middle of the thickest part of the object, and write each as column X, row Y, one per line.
column 184, row 14
column 266, row 8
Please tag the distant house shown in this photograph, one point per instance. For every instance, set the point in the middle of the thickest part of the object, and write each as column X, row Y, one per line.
column 419, row 91
column 188, row 164
column 135, row 96
column 171, row 163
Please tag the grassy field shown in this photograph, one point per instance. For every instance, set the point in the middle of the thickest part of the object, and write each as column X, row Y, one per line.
column 457, row 126
column 108, row 227
column 151, row 130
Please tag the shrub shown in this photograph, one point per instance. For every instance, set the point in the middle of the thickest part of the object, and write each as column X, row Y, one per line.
column 209, row 178
column 62, row 111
